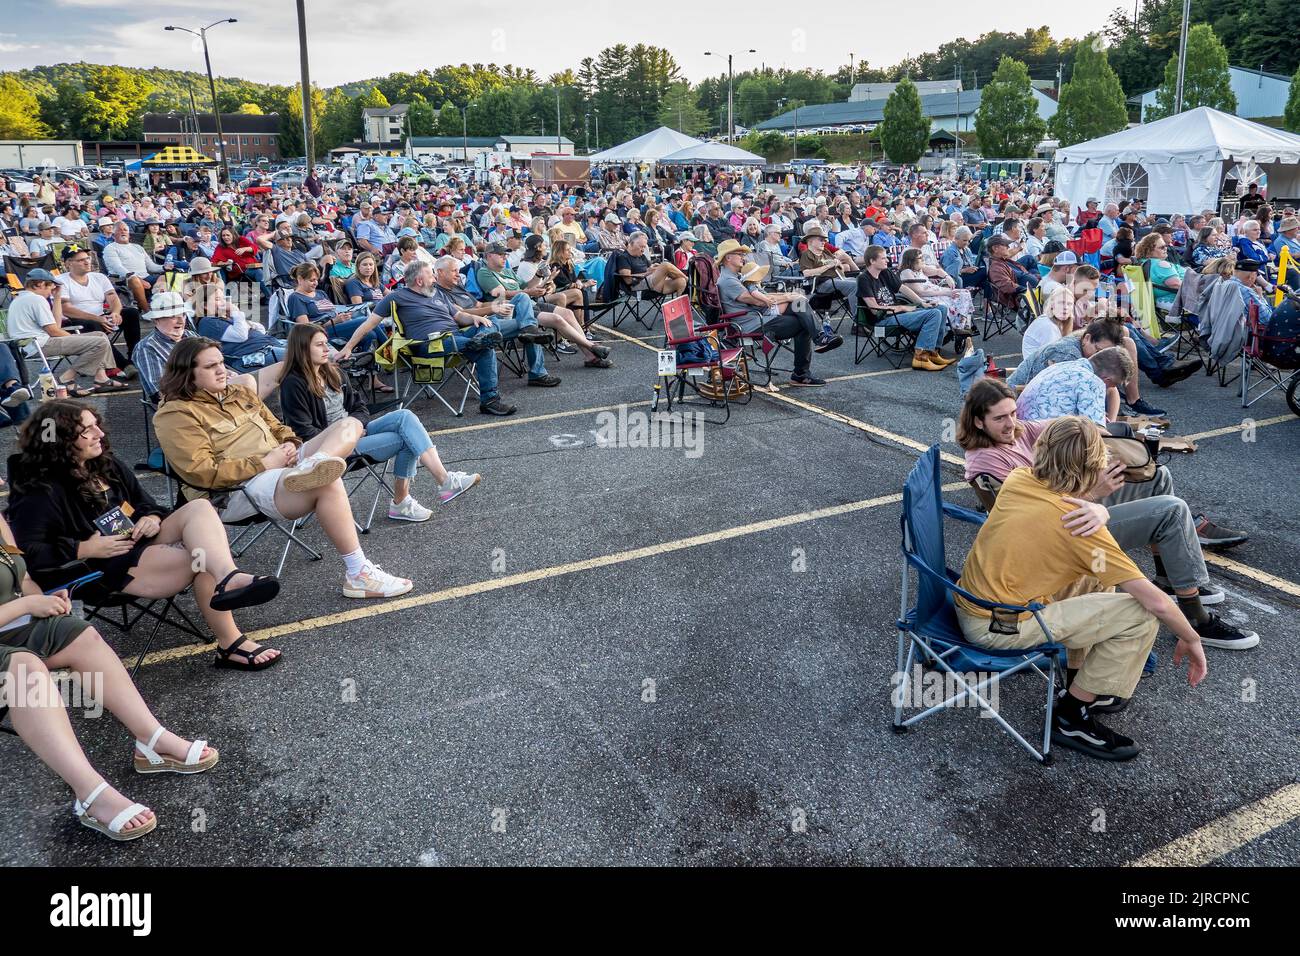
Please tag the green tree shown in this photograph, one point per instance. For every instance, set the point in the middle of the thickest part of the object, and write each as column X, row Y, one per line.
column 1292, row 116
column 680, row 112
column 291, row 143
column 19, row 111
column 421, row 119
column 1206, row 80
column 904, row 130
column 449, row 120
column 1007, row 123
column 337, row 125
column 1092, row 103
column 249, row 109
column 114, row 103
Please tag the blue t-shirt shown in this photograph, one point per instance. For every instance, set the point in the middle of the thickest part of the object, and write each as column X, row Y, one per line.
column 316, row 308
column 354, row 287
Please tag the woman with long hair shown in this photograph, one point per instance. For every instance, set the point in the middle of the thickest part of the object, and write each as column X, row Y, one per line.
column 74, row 500
column 365, row 284
column 314, row 395
column 52, row 639
column 239, row 257
column 242, row 342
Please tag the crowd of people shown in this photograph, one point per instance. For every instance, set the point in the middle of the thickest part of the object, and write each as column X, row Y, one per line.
column 284, row 297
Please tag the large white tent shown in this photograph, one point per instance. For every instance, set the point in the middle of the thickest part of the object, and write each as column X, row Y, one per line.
column 1179, row 164
column 713, row 154
column 649, row 148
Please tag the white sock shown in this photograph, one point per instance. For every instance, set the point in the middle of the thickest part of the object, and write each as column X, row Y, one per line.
column 354, row 562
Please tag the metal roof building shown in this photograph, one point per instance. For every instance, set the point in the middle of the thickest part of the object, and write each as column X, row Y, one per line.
column 947, row 111
column 1259, row 93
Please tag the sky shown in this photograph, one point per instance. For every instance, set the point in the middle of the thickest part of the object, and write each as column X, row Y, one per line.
column 356, row 39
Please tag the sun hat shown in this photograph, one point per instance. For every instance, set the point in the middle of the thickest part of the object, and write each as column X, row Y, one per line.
column 201, row 265
column 686, row 236
column 753, row 272
column 166, row 304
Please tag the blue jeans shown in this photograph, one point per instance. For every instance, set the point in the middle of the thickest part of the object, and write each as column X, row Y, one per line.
column 397, row 435
column 484, row 360
column 524, row 316
column 343, row 330
column 9, row 373
column 928, row 323
column 1153, row 362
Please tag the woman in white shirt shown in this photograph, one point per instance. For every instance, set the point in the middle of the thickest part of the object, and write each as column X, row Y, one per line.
column 1067, row 306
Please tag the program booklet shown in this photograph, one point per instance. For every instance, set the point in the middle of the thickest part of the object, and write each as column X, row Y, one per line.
column 116, row 522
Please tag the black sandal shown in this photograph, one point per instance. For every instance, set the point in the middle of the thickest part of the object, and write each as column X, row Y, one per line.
column 263, row 588
column 224, row 654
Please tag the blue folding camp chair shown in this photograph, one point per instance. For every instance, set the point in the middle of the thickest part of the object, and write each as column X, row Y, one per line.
column 929, row 633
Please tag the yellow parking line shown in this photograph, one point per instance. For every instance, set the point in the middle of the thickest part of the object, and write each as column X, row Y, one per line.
column 540, row 574
column 1229, row 832
column 827, row 413
column 1262, row 577
column 1234, row 429
column 513, row 420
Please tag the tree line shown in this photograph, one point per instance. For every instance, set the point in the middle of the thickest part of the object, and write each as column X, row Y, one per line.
column 627, row 90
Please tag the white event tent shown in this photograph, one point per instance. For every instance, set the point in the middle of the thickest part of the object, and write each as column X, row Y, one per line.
column 713, row 154
column 1179, row 163
column 648, row 148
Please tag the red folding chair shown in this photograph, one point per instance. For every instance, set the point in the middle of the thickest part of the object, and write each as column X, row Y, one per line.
column 718, row 381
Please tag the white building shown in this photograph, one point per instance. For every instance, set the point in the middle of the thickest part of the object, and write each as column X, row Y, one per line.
column 1259, row 93
column 862, row 92
column 384, row 125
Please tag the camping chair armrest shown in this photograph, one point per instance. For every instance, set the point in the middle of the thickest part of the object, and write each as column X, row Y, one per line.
column 923, row 568
column 963, row 514
column 75, row 573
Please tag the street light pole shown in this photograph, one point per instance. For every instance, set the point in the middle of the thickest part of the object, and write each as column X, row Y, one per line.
column 597, row 112
column 1182, row 57
column 202, row 34
column 464, row 132
column 558, row 147
column 731, row 115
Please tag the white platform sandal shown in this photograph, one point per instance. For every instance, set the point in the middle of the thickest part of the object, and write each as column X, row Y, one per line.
column 113, row 830
column 148, row 760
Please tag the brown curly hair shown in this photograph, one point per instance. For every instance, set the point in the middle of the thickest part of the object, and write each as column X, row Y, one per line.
column 48, row 463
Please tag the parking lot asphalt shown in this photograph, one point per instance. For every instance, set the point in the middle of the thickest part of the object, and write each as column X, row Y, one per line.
column 682, row 655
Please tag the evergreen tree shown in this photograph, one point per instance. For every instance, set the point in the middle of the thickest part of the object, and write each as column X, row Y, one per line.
column 1292, row 116
column 1092, row 103
column 680, row 112
column 1206, row 80
column 1007, row 123
column 905, row 130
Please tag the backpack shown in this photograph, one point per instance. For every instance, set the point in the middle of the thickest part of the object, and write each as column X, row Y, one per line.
column 704, row 287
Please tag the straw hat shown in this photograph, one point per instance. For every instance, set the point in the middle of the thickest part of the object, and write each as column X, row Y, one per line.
column 200, row 266
column 729, row 246
column 753, row 272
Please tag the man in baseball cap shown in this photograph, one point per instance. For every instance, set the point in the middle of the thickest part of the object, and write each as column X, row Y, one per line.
column 1063, row 267
column 36, row 314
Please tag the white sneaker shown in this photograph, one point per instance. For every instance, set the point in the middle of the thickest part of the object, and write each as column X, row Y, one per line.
column 375, row 582
column 313, row 472
column 408, row 510
column 457, row 483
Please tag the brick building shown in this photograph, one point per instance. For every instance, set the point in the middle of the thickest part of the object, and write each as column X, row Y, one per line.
column 248, row 137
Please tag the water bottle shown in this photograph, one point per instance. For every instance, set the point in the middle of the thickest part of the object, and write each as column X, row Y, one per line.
column 47, row 384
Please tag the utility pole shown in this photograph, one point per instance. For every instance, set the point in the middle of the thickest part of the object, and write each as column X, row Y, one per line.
column 194, row 120
column 306, row 87
column 851, row 74
column 957, row 125
column 1182, row 57
column 559, row 148
column 597, row 112
column 202, row 34
column 731, row 112
column 464, row 133
column 586, row 130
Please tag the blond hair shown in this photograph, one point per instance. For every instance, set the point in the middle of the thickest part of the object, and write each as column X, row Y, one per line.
column 1069, row 455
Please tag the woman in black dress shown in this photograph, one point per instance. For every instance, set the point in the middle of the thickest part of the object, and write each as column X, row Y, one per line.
column 73, row 500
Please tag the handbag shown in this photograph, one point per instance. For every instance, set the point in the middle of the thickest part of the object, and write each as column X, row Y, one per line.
column 1137, row 454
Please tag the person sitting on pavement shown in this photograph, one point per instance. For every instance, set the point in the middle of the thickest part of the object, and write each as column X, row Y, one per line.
column 996, row 441
column 53, row 639
column 1077, row 388
column 74, row 500
column 314, row 396
column 1043, row 543
column 218, row 436
column 780, row 315
column 880, row 288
